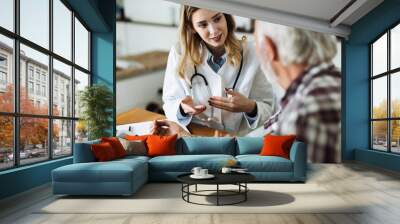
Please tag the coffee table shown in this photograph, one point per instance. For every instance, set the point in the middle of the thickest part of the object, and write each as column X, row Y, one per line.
column 238, row 179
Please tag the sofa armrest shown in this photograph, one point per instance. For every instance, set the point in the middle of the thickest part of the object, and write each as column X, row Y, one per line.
column 83, row 152
column 298, row 154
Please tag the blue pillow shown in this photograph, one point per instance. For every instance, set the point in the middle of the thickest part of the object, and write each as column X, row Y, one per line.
column 206, row 145
column 83, row 153
column 249, row 145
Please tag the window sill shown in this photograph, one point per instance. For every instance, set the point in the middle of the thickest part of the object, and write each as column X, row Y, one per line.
column 26, row 167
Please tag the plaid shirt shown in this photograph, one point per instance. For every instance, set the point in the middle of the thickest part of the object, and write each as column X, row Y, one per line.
column 310, row 109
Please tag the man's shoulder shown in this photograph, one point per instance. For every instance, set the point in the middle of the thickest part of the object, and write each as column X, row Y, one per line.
column 322, row 84
column 322, row 93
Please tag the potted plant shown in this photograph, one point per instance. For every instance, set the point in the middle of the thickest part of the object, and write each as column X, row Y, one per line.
column 96, row 103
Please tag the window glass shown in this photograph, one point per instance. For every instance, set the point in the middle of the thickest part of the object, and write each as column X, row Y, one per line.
column 62, row 138
column 395, row 95
column 34, row 80
column 379, row 135
column 379, row 56
column 34, row 19
column 81, row 81
column 62, row 29
column 81, row 131
column 62, row 91
column 39, row 62
column 395, row 47
column 395, row 136
column 379, row 98
column 6, row 142
column 33, row 139
column 7, row 14
column 81, row 45
column 6, row 74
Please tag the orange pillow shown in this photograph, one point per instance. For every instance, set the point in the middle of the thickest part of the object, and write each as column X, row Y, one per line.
column 136, row 137
column 275, row 145
column 103, row 151
column 116, row 145
column 161, row 145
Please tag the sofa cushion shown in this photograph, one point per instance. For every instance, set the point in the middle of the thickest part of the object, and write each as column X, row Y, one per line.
column 131, row 158
column 136, row 137
column 103, row 151
column 185, row 163
column 277, row 145
column 83, row 152
column 249, row 145
column 206, row 145
column 112, row 171
column 161, row 145
column 257, row 163
column 116, row 145
column 134, row 147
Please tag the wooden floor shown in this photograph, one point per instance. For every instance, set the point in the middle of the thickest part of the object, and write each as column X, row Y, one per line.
column 378, row 188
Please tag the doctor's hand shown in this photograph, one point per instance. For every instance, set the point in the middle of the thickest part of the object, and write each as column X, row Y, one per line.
column 188, row 107
column 235, row 102
column 166, row 127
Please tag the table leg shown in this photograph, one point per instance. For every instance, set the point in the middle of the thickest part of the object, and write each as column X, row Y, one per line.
column 217, row 194
column 188, row 190
column 196, row 188
column 245, row 191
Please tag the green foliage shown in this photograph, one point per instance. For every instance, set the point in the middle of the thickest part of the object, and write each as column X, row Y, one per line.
column 96, row 102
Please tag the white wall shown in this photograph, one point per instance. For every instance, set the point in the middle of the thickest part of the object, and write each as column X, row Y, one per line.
column 155, row 11
column 137, row 38
column 138, row 91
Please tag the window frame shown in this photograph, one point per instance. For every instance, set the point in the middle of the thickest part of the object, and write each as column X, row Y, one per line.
column 388, row 74
column 16, row 114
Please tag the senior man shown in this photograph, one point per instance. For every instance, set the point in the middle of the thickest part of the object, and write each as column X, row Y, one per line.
column 300, row 63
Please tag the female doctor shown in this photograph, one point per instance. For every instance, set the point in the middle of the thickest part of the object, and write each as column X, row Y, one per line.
column 214, row 79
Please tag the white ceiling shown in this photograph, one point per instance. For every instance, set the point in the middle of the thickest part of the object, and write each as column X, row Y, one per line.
column 320, row 9
column 317, row 15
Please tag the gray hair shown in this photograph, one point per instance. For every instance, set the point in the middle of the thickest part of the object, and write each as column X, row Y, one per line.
column 297, row 46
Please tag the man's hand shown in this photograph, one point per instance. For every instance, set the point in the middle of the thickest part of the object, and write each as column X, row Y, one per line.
column 166, row 127
column 189, row 108
column 235, row 102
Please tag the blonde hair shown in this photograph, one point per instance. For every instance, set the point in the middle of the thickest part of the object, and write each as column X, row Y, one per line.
column 190, row 41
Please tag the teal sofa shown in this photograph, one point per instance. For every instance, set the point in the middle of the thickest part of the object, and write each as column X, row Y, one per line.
column 125, row 176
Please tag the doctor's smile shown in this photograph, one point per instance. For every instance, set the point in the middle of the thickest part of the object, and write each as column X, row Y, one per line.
column 217, row 38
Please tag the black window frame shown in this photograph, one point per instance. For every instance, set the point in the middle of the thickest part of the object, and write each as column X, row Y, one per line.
column 388, row 74
column 16, row 115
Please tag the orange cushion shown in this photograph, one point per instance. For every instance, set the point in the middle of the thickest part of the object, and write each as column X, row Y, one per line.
column 136, row 137
column 103, row 152
column 116, row 145
column 275, row 145
column 161, row 145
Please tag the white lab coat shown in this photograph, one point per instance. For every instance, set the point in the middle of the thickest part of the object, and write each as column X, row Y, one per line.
column 252, row 83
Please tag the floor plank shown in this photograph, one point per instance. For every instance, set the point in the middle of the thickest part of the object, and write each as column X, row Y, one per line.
column 377, row 190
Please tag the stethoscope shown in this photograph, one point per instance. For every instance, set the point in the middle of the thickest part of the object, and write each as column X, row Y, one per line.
column 197, row 78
